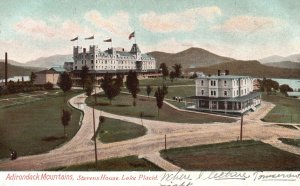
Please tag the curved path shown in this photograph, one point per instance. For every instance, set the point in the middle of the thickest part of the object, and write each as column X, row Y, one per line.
column 80, row 149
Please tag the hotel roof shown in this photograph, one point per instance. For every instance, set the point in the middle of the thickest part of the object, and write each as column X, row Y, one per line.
column 223, row 77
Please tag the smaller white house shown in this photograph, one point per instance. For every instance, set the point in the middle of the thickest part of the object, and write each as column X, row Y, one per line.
column 224, row 93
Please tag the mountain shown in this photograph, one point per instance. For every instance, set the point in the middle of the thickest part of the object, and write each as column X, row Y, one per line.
column 294, row 58
column 249, row 68
column 272, row 59
column 190, row 58
column 17, row 70
column 284, row 64
column 48, row 62
column 276, row 59
column 12, row 62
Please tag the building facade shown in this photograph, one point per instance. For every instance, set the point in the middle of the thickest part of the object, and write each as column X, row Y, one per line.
column 224, row 93
column 46, row 76
column 113, row 59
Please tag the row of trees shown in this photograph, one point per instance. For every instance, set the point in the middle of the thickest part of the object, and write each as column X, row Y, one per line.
column 175, row 73
column 269, row 85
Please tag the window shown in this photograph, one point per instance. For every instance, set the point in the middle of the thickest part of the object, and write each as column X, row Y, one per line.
column 225, row 83
column 212, row 92
column 202, row 92
column 225, row 93
column 201, row 82
column 92, row 61
column 213, row 83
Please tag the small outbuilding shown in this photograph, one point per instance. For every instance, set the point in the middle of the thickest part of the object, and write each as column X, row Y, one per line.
column 45, row 76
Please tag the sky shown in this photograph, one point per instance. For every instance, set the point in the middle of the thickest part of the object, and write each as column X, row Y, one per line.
column 248, row 29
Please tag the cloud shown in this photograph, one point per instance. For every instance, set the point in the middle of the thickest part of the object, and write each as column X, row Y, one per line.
column 117, row 24
column 39, row 29
column 248, row 24
column 34, row 27
column 180, row 21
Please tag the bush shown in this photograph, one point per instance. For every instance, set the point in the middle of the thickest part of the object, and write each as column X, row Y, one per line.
column 48, row 86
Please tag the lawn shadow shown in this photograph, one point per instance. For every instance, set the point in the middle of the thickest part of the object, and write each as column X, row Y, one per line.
column 102, row 104
column 122, row 105
column 52, row 138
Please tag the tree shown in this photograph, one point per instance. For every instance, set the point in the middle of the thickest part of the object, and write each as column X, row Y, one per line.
column 165, row 89
column 119, row 80
column 65, row 82
column 285, row 88
column 132, row 84
column 177, row 68
column 111, row 86
column 148, row 90
column 141, row 116
column 164, row 70
column 194, row 76
column 65, row 119
column 267, row 85
column 48, row 86
column 84, row 75
column 172, row 76
column 89, row 86
column 159, row 94
column 32, row 77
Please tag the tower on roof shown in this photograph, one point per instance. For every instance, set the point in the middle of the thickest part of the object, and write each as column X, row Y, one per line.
column 135, row 49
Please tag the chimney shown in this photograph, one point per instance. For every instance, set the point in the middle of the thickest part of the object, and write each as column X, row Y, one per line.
column 84, row 50
column 219, row 72
column 226, row 72
column 5, row 68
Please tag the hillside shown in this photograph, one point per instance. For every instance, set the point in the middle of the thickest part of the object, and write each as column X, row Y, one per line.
column 250, row 68
column 12, row 62
column 48, row 62
column 192, row 57
column 17, row 70
column 285, row 64
column 276, row 59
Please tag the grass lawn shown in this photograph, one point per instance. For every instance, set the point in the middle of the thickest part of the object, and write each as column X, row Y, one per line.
column 159, row 81
column 182, row 91
column 129, row 163
column 35, row 127
column 113, row 130
column 289, row 141
column 287, row 109
column 247, row 155
column 122, row 105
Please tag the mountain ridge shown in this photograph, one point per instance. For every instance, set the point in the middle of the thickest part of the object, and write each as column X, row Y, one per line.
column 192, row 57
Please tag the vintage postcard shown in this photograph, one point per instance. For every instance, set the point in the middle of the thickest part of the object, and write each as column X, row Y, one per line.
column 149, row 92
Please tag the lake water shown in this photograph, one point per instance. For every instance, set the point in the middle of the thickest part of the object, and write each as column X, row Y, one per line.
column 16, row 79
column 293, row 83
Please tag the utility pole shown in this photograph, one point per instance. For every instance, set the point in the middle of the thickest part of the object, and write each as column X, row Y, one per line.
column 95, row 141
column 241, row 132
column 6, row 68
column 165, row 142
column 95, row 96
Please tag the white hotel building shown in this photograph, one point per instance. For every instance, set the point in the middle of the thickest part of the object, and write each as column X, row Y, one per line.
column 112, row 60
column 224, row 93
